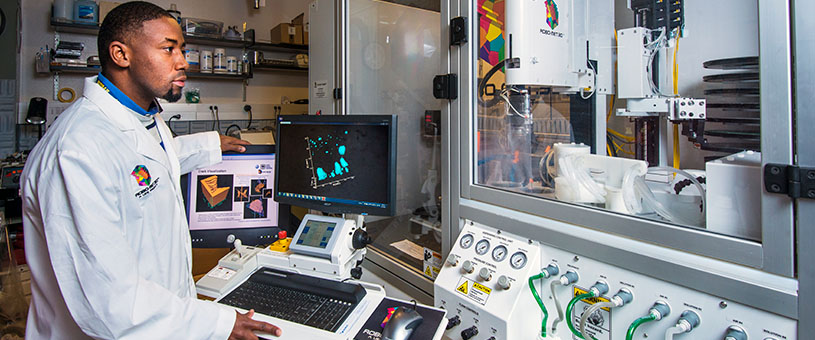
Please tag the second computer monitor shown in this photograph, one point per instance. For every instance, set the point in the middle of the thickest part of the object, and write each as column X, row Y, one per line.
column 337, row 164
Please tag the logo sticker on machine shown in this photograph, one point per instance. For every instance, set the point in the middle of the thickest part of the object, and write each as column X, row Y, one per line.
column 598, row 325
column 221, row 273
column 474, row 290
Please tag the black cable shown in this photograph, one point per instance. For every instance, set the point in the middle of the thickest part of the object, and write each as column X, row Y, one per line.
column 230, row 127
column 483, row 83
column 248, row 108
column 611, row 146
column 170, row 124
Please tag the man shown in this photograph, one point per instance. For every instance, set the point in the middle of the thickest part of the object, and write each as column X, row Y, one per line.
column 106, row 234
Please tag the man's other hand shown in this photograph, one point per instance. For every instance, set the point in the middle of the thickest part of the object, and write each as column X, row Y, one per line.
column 245, row 327
column 233, row 144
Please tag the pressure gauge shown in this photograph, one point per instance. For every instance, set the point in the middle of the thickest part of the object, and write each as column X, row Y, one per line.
column 518, row 260
column 499, row 253
column 466, row 241
column 482, row 247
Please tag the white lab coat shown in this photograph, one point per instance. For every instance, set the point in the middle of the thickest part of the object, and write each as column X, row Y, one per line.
column 110, row 254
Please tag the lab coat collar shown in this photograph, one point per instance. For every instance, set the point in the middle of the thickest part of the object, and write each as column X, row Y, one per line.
column 114, row 91
column 125, row 119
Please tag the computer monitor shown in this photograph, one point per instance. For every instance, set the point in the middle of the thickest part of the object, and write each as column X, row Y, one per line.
column 234, row 197
column 337, row 164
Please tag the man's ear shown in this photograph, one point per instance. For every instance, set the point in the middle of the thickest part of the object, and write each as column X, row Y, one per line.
column 119, row 54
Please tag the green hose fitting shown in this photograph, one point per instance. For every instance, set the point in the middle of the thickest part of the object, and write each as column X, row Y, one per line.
column 658, row 311
column 636, row 324
column 540, row 303
column 569, row 312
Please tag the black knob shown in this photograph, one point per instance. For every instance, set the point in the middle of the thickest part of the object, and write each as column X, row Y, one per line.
column 469, row 333
column 453, row 322
column 360, row 239
column 491, row 338
column 356, row 273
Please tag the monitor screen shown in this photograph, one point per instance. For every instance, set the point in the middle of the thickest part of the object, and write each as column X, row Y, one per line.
column 337, row 164
column 234, row 197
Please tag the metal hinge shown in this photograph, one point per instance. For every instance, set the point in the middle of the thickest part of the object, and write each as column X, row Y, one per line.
column 338, row 93
column 791, row 180
column 445, row 86
column 458, row 31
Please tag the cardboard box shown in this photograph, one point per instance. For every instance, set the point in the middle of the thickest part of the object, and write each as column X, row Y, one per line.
column 305, row 34
column 298, row 20
column 105, row 7
column 286, row 33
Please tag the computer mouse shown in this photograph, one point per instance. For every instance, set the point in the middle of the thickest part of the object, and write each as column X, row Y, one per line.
column 402, row 324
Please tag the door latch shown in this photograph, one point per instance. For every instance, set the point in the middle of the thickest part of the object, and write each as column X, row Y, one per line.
column 445, row 86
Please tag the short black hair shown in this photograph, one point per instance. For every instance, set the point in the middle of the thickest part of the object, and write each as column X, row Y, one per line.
column 122, row 22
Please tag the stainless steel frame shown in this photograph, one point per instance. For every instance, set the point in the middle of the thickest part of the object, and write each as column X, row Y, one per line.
column 775, row 51
column 669, row 252
column 804, row 49
column 398, row 274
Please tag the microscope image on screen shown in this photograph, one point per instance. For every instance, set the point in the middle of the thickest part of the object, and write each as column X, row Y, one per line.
column 255, row 208
column 326, row 160
column 257, row 186
column 213, row 191
column 241, row 194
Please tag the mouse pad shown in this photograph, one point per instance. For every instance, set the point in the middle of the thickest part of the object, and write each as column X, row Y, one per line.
column 372, row 330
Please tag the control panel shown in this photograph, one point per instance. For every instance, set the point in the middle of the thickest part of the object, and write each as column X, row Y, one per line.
column 485, row 287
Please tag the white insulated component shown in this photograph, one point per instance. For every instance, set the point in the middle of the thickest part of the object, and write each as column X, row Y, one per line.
column 549, row 43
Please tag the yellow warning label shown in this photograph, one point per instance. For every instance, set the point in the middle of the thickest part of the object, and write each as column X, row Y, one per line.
column 463, row 289
column 428, row 272
column 591, row 301
column 482, row 288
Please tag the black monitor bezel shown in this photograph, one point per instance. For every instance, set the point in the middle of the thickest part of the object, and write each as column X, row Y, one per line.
column 217, row 238
column 339, row 208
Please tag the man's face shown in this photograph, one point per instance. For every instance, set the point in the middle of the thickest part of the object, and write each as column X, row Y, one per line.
column 158, row 64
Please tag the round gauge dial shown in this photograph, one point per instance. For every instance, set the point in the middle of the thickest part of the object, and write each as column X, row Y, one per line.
column 466, row 241
column 499, row 253
column 482, row 247
column 518, row 260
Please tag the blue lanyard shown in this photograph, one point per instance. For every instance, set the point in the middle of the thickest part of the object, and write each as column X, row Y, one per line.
column 129, row 103
column 123, row 98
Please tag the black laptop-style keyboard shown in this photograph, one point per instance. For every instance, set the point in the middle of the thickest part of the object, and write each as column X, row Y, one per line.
column 307, row 300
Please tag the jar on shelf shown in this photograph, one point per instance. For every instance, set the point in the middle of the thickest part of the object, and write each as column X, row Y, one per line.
column 206, row 61
column 219, row 61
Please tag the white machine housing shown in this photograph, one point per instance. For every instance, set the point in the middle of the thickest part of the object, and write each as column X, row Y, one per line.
column 549, row 43
column 734, row 195
column 633, row 83
column 496, row 312
column 236, row 266
column 514, row 314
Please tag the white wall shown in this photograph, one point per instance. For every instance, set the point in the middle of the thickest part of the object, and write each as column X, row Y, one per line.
column 265, row 87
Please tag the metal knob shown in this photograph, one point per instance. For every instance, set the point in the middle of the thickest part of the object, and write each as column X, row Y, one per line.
column 452, row 260
column 503, row 282
column 467, row 267
column 484, row 273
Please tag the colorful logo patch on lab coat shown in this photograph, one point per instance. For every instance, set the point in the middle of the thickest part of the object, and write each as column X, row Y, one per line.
column 142, row 175
column 552, row 15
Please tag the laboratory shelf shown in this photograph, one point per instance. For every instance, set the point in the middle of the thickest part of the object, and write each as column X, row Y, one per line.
column 191, row 75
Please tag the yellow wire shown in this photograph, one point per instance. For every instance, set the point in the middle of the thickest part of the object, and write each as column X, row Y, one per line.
column 608, row 148
column 677, row 157
column 620, row 148
column 624, row 137
column 610, row 109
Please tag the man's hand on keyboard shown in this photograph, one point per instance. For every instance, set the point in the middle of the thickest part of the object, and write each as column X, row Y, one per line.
column 245, row 327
